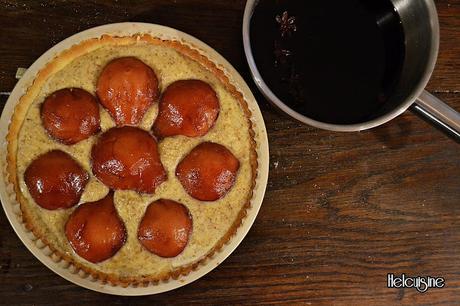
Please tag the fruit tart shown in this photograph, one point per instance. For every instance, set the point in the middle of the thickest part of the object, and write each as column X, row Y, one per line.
column 132, row 158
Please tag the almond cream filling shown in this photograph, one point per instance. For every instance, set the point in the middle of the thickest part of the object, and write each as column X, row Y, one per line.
column 211, row 220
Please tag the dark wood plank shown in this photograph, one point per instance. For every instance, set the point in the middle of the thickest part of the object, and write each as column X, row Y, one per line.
column 341, row 210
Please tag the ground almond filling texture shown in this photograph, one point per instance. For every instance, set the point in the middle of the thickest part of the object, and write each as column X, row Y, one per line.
column 213, row 222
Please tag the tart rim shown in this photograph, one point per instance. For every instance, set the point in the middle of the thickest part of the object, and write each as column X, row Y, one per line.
column 59, row 62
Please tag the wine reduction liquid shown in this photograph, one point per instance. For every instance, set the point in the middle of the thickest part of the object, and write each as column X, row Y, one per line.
column 336, row 61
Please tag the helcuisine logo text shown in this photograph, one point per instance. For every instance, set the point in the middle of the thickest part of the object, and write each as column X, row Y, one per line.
column 420, row 283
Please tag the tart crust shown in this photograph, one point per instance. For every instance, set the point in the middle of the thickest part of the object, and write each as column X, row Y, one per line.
column 26, row 101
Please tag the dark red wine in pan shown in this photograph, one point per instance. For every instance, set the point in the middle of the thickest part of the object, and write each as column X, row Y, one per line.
column 335, row 61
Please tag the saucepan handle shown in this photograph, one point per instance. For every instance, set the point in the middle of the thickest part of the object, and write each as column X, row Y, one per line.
column 439, row 113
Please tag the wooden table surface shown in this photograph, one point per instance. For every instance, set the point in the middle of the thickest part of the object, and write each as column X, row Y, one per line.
column 341, row 210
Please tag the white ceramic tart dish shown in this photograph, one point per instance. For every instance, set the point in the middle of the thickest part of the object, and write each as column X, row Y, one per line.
column 218, row 226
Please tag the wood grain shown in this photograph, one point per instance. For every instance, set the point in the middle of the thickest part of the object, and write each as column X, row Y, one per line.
column 341, row 210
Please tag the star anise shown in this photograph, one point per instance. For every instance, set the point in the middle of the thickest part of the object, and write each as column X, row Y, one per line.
column 281, row 54
column 286, row 24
